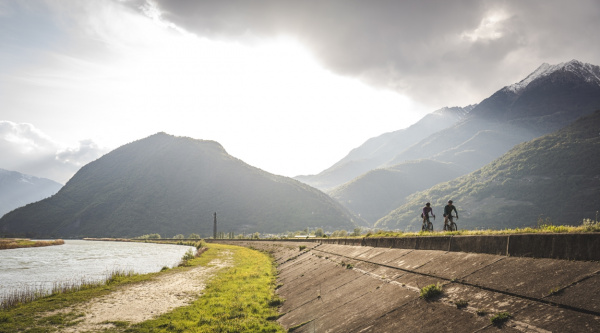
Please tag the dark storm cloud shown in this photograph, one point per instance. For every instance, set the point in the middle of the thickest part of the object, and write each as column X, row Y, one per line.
column 430, row 50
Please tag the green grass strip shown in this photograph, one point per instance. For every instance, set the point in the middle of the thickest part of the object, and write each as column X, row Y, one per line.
column 240, row 298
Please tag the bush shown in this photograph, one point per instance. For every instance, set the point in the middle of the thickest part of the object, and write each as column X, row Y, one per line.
column 500, row 318
column 461, row 303
column 431, row 291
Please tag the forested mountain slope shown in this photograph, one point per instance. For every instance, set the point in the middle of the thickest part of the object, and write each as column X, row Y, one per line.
column 171, row 185
column 554, row 177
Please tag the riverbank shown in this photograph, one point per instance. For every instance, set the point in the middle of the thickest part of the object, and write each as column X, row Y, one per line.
column 16, row 243
column 227, row 288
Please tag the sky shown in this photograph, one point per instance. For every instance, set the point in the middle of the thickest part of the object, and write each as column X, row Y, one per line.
column 287, row 86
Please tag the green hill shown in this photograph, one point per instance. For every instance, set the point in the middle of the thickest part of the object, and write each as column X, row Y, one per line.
column 378, row 192
column 171, row 185
column 555, row 177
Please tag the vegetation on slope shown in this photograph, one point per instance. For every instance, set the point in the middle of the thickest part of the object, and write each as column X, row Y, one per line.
column 173, row 185
column 556, row 176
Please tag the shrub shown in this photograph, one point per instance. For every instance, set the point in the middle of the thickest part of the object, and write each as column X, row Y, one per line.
column 431, row 291
column 500, row 318
column 461, row 303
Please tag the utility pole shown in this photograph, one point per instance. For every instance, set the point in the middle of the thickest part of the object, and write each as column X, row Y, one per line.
column 215, row 228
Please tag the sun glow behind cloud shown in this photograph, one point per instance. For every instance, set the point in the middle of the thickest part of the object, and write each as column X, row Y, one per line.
column 267, row 101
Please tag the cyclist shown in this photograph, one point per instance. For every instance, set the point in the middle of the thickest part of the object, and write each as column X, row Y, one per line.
column 448, row 213
column 426, row 211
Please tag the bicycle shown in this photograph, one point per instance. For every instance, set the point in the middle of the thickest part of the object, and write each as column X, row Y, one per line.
column 427, row 225
column 451, row 226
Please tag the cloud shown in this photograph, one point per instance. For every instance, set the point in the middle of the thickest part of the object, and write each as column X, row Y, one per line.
column 28, row 150
column 434, row 51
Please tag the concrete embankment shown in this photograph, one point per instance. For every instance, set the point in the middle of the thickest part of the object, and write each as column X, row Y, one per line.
column 345, row 288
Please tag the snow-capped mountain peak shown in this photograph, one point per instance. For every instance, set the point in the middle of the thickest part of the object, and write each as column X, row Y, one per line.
column 590, row 72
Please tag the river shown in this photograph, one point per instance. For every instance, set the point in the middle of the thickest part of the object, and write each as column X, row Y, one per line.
column 77, row 260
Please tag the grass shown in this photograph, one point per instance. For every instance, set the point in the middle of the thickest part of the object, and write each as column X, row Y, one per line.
column 240, row 298
column 588, row 225
column 29, row 294
column 431, row 291
column 22, row 315
column 15, row 243
column 500, row 318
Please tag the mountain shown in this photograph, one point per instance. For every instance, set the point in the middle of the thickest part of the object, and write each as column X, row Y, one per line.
column 549, row 98
column 376, row 152
column 378, row 192
column 554, row 177
column 17, row 189
column 173, row 185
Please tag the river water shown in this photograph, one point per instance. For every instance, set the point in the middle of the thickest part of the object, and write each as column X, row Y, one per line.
column 77, row 260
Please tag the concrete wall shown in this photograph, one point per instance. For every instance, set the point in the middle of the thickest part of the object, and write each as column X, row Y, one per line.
column 584, row 246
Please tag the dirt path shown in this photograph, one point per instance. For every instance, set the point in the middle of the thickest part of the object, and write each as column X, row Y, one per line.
column 146, row 300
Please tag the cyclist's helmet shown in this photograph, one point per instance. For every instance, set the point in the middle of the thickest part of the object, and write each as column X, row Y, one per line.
column 427, row 204
column 449, row 201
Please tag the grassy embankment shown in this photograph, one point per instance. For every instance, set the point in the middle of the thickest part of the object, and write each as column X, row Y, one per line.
column 238, row 298
column 15, row 243
column 544, row 227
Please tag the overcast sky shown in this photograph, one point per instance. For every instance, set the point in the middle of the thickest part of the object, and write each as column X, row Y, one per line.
column 287, row 86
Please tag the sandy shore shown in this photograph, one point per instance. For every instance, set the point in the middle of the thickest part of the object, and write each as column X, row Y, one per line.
column 146, row 300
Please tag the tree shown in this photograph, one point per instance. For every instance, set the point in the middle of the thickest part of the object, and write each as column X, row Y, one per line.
column 194, row 236
column 179, row 236
column 356, row 231
column 319, row 232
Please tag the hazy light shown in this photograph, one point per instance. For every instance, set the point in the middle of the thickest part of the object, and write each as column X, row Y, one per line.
column 269, row 102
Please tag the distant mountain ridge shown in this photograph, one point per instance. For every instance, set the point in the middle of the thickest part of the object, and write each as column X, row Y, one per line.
column 376, row 152
column 555, row 178
column 546, row 100
column 173, row 185
column 379, row 191
column 18, row 189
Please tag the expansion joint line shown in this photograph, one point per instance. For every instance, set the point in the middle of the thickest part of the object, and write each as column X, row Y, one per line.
column 508, row 293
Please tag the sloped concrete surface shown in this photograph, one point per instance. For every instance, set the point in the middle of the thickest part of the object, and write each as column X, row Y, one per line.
column 348, row 288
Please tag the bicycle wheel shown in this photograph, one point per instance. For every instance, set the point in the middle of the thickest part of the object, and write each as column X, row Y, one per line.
column 453, row 226
column 429, row 226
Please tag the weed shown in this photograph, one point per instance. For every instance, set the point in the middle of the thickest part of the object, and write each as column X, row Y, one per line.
column 500, row 318
column 554, row 291
column 431, row 291
column 302, row 247
column 276, row 301
column 481, row 312
column 294, row 328
column 461, row 303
